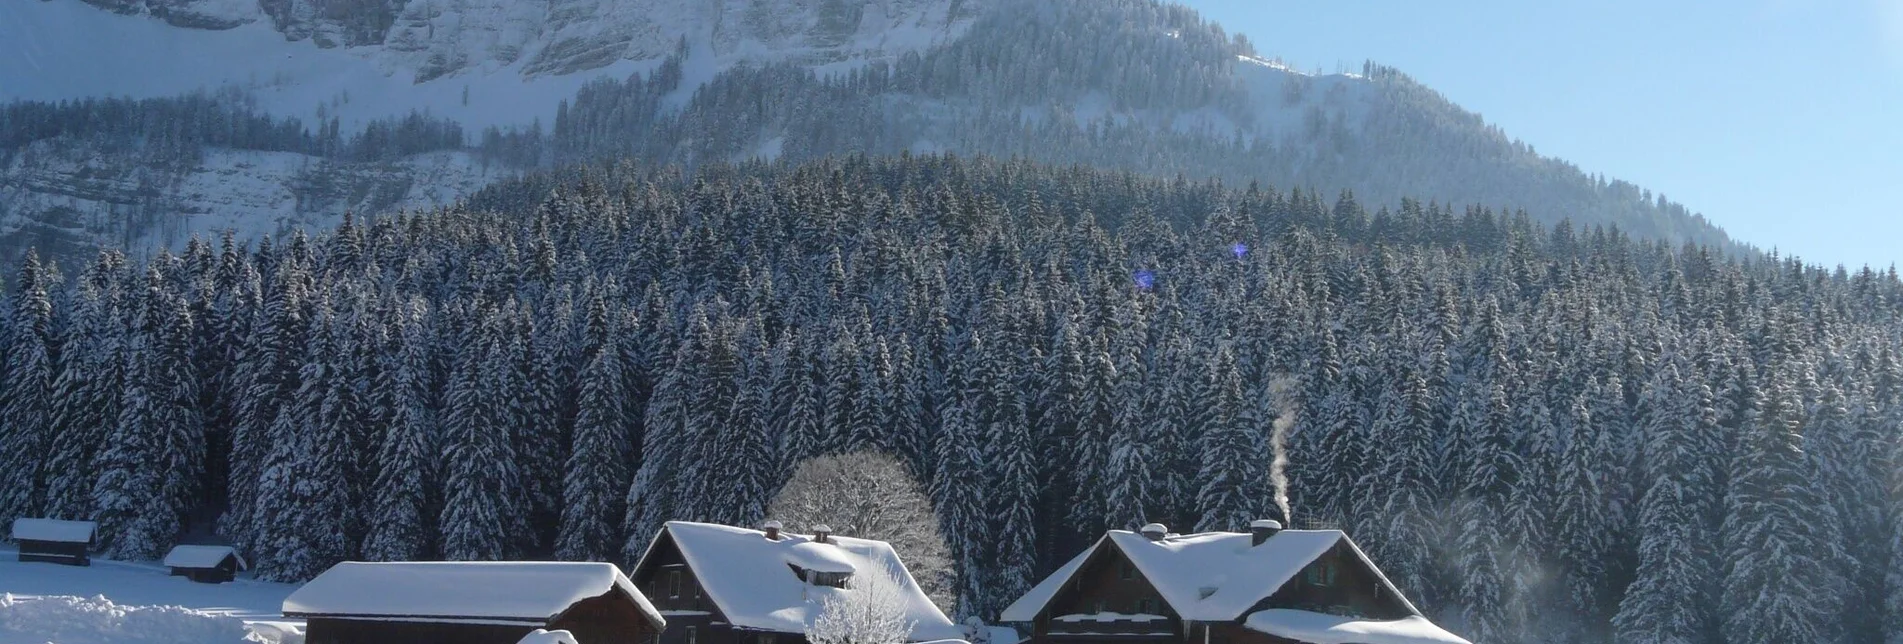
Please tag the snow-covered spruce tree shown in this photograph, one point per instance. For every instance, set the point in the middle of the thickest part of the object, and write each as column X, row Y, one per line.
column 1407, row 526
column 872, row 609
column 1229, row 486
column 871, row 495
column 957, row 490
column 303, row 499
column 1668, row 601
column 407, row 493
column 1096, row 423
column 147, row 470
column 479, row 476
column 87, row 394
column 800, row 402
column 654, row 496
column 1014, row 482
column 268, row 376
column 1779, row 534
column 27, row 403
column 596, row 475
column 1584, row 516
column 1484, row 554
column 748, row 456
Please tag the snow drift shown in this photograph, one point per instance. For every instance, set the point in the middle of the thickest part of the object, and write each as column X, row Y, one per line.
column 79, row 620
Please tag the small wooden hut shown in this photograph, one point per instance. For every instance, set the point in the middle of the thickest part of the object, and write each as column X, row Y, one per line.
column 55, row 541
column 205, row 564
column 472, row 603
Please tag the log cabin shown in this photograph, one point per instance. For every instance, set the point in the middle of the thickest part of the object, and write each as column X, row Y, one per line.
column 472, row 603
column 205, row 564
column 55, row 541
column 719, row 584
column 1266, row 586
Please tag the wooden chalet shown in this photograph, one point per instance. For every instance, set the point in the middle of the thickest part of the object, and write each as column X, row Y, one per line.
column 472, row 603
column 205, row 564
column 55, row 541
column 1267, row 586
column 724, row 585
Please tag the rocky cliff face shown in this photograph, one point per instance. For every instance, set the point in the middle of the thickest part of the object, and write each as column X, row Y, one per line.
column 436, row 38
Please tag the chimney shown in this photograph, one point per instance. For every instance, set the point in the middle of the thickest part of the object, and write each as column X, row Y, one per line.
column 1155, row 531
column 772, row 529
column 822, row 533
column 1262, row 529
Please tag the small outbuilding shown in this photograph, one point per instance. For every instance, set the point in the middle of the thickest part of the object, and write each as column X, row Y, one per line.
column 473, row 603
column 205, row 564
column 55, row 541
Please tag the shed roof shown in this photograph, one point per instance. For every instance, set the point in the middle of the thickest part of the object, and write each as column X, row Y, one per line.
column 202, row 557
column 53, row 530
column 527, row 592
column 746, row 575
column 1212, row 576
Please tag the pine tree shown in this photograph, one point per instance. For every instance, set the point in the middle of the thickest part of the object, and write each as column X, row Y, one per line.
column 27, row 403
column 596, row 474
column 1666, row 603
column 1228, row 490
column 303, row 498
column 479, row 477
column 87, row 394
column 1777, row 531
column 407, row 492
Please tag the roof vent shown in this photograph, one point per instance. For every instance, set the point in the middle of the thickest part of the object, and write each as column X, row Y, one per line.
column 772, row 529
column 1155, row 531
column 822, row 533
column 1261, row 529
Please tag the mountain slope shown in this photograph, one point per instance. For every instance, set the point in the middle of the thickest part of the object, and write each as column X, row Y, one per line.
column 1128, row 84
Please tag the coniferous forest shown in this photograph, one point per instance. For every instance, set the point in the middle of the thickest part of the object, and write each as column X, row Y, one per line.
column 1541, row 434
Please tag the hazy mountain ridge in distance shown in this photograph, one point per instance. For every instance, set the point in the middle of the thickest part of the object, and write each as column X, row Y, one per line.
column 1126, row 84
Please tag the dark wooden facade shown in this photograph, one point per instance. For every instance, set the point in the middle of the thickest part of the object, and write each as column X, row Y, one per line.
column 611, row 618
column 692, row 617
column 1338, row 582
column 58, row 552
column 226, row 570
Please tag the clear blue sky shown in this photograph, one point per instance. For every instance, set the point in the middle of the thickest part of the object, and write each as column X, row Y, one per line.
column 1781, row 120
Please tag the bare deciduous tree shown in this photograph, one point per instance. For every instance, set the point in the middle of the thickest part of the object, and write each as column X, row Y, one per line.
column 870, row 495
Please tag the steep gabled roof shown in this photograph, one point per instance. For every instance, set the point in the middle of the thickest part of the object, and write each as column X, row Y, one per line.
column 524, row 592
column 747, row 576
column 1208, row 577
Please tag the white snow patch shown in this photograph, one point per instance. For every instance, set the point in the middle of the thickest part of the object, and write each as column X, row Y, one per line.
column 1318, row 628
column 1110, row 617
column 819, row 557
column 540, row 636
column 98, row 620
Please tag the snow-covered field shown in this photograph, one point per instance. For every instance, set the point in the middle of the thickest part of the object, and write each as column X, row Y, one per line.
column 115, row 602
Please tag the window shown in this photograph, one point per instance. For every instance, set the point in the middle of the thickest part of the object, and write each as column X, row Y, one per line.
column 1320, row 574
column 693, row 635
column 696, row 591
column 674, row 585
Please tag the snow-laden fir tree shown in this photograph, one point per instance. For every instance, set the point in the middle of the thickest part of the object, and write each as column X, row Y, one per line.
column 1233, row 454
column 1668, row 600
column 303, row 497
column 408, row 491
column 88, row 392
column 1779, row 533
column 27, row 403
column 480, row 481
column 596, row 474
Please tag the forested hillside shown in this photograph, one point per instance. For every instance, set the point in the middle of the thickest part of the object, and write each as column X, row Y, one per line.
column 1135, row 85
column 1541, row 434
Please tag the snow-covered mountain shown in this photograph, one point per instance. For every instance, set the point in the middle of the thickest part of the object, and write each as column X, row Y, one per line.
column 1129, row 84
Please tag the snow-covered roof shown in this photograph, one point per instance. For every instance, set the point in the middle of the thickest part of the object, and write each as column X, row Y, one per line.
column 1208, row 577
column 1317, row 628
column 533, row 592
column 201, row 557
column 540, row 636
column 53, row 530
column 819, row 557
column 746, row 576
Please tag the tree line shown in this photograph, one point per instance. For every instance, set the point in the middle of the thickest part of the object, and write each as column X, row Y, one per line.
column 1541, row 434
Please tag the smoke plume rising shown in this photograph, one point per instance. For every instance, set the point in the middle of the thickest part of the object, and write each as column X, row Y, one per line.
column 1282, row 394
